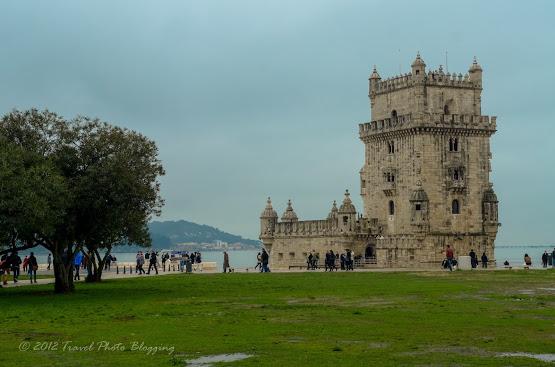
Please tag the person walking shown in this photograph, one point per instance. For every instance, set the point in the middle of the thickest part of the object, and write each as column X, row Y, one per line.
column 350, row 260
column 25, row 263
column 473, row 259
column 49, row 261
column 4, row 266
column 15, row 262
column 544, row 259
column 77, row 261
column 33, row 266
column 258, row 262
column 141, row 263
column 450, row 256
column 484, row 260
column 226, row 262
column 553, row 258
column 265, row 259
column 152, row 263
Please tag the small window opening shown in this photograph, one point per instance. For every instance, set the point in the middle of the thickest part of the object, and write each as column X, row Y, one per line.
column 446, row 109
column 418, row 207
column 345, row 219
column 391, row 207
column 455, row 207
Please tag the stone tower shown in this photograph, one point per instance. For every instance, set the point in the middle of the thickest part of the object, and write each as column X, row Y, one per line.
column 425, row 180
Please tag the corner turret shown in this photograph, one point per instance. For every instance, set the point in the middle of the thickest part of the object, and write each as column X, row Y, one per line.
column 268, row 220
column 418, row 68
column 475, row 73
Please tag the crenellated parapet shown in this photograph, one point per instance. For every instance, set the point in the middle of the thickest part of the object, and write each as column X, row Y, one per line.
column 340, row 221
column 470, row 123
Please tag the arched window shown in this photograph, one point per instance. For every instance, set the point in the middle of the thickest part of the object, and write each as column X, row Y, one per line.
column 394, row 115
column 456, row 175
column 456, row 145
column 455, row 207
column 392, row 147
column 450, row 144
column 391, row 207
column 446, row 109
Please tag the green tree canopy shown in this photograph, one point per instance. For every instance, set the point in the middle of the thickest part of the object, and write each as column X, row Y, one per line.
column 102, row 185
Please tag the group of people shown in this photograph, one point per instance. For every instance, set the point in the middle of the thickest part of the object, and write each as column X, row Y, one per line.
column 12, row 263
column 450, row 261
column 345, row 260
column 474, row 259
column 262, row 259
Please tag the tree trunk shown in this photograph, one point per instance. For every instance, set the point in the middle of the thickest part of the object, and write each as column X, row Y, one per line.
column 98, row 262
column 63, row 272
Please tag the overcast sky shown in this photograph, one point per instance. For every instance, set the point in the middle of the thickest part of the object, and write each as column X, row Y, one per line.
column 249, row 99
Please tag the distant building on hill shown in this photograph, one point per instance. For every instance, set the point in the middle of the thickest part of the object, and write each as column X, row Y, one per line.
column 425, row 182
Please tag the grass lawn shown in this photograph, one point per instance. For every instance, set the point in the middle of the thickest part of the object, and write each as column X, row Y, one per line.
column 293, row 319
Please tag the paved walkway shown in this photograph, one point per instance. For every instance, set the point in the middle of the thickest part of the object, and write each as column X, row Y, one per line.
column 24, row 279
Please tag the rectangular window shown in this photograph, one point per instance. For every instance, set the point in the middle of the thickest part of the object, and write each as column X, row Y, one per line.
column 291, row 255
column 418, row 207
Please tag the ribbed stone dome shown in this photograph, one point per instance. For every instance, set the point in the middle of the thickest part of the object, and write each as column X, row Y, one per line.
column 289, row 214
column 419, row 195
column 269, row 211
column 418, row 61
column 347, row 207
column 333, row 211
column 489, row 195
column 475, row 66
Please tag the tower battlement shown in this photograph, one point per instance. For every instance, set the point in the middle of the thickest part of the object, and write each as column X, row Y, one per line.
column 473, row 124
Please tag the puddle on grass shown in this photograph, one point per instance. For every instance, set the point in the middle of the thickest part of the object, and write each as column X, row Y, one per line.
column 541, row 357
column 207, row 361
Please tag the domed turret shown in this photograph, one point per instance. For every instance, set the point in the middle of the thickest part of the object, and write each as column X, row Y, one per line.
column 333, row 211
column 475, row 72
column 289, row 214
column 373, row 81
column 490, row 206
column 418, row 68
column 490, row 196
column 268, row 220
column 269, row 211
column 347, row 207
column 375, row 74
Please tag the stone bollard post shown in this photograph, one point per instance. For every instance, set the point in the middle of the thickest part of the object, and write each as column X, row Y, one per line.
column 117, row 269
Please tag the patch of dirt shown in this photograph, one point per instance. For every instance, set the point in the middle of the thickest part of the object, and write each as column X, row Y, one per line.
column 337, row 301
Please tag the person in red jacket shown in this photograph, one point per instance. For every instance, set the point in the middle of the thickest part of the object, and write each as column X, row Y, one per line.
column 449, row 255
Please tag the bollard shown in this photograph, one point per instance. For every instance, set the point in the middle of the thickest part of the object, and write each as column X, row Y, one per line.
column 173, row 267
column 124, row 269
column 130, row 270
column 117, row 269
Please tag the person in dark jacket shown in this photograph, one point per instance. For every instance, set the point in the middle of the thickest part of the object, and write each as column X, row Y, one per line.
column 152, row 263
column 15, row 262
column 226, row 262
column 33, row 267
column 484, row 260
column 265, row 259
column 473, row 259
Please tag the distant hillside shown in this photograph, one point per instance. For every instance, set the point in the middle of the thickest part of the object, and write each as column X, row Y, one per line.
column 166, row 234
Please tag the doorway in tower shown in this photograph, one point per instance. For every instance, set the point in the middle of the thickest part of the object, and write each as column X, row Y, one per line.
column 370, row 252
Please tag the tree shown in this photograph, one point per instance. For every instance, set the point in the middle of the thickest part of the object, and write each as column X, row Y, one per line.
column 107, row 186
column 24, row 204
column 118, row 192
